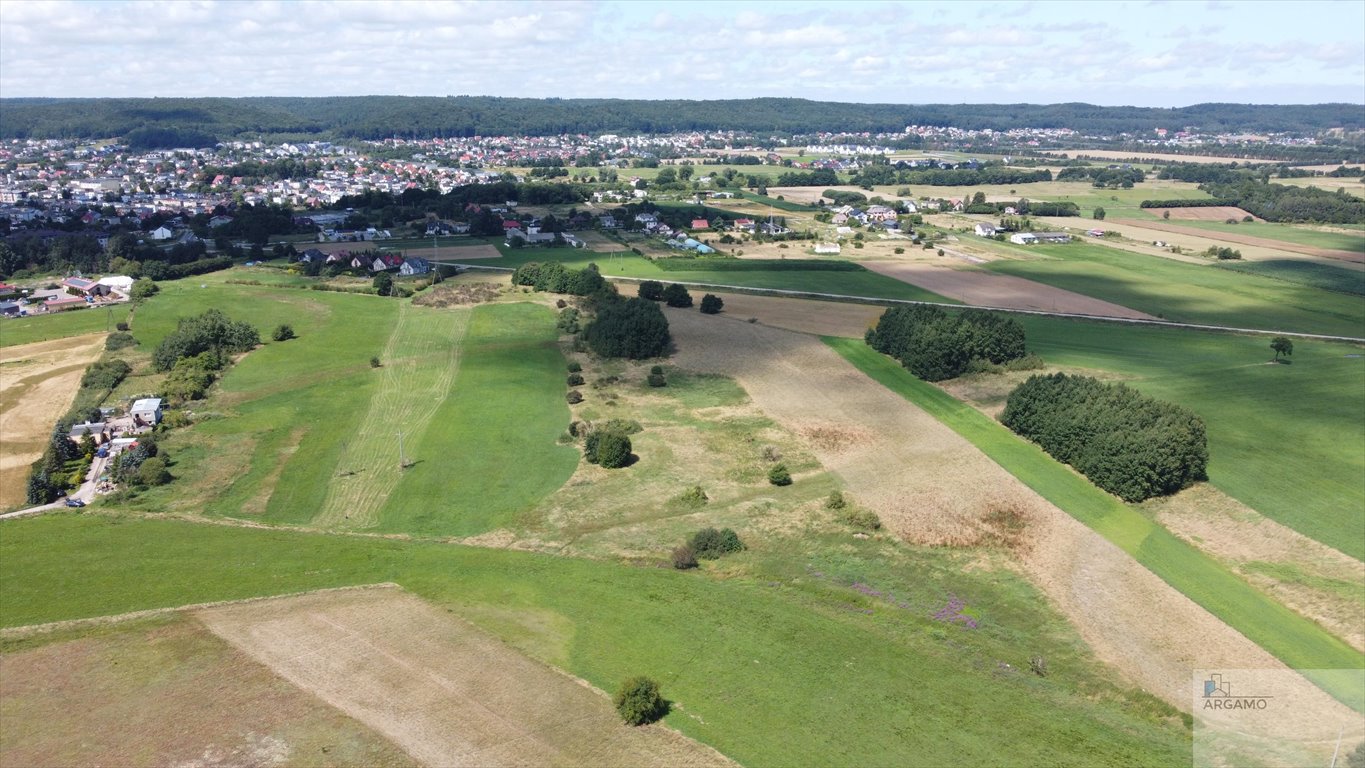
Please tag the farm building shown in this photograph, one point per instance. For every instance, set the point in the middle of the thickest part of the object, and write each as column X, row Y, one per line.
column 146, row 411
column 121, row 283
column 96, row 429
column 1053, row 237
column 9, row 309
column 57, row 304
column 84, row 287
column 700, row 224
column 985, row 230
column 827, row 248
column 1023, row 238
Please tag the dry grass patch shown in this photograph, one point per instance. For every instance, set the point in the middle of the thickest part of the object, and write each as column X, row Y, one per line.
column 1233, row 237
column 445, row 691
column 167, row 692
column 448, row 295
column 38, row 383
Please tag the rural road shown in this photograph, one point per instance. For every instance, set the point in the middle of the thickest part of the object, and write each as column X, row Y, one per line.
column 85, row 493
column 890, row 302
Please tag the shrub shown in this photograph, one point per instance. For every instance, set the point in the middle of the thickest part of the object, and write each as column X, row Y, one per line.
column 638, row 701
column 374, row 362
column 630, row 328
column 121, row 326
column 656, row 369
column 568, row 320
column 778, row 475
column 1038, row 665
column 1127, row 443
column 692, row 497
column 574, row 380
column 210, row 331
column 656, row 380
column 684, row 558
column 383, row 284
column 835, row 501
column 153, row 472
column 105, row 374
column 865, row 519
column 575, row 366
column 574, row 397
column 710, row 544
column 898, row 250
column 143, row 288
column 607, row 449
column 283, row 332
column 560, row 303
column 711, row 304
column 652, row 290
column 675, row 295
column 119, row 341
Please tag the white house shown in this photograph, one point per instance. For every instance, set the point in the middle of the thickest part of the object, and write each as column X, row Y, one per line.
column 985, row 230
column 146, row 411
column 121, row 283
column 827, row 248
column 163, row 232
column 414, row 266
column 1023, row 238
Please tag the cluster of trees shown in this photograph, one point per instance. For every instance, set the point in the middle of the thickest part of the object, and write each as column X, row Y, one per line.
column 935, row 345
column 1127, row 443
column 1222, row 253
column 970, row 177
column 820, row 177
column 144, row 464
column 374, row 117
column 1024, row 207
column 1103, row 177
column 49, row 475
column 1278, row 202
column 211, row 331
column 1206, row 203
column 632, row 328
column 554, row 277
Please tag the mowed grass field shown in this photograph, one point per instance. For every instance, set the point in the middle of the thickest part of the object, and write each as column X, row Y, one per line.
column 1188, row 293
column 1314, row 274
column 305, row 432
column 1288, row 233
column 1298, row 642
column 1287, row 440
column 783, row 667
column 626, row 264
column 72, row 322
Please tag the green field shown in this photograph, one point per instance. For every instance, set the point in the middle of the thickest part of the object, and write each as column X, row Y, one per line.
column 1187, row 293
column 489, row 453
column 1288, row 233
column 73, row 322
column 1296, row 641
column 626, row 264
column 1309, row 273
column 1287, row 440
column 798, row 663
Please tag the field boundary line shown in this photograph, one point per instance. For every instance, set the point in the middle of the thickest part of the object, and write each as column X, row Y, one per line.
column 35, row 630
column 848, row 299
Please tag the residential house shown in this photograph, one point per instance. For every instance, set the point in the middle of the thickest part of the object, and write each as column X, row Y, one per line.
column 985, row 230
column 414, row 266
column 97, row 430
column 745, row 225
column 607, row 222
column 146, row 411
column 701, row 224
column 312, row 255
column 162, row 232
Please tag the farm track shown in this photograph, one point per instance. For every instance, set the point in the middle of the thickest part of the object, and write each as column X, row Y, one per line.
column 419, row 365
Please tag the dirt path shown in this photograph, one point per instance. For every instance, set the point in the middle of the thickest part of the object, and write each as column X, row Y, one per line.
column 931, row 486
column 1262, row 242
column 419, row 365
column 440, row 688
column 987, row 289
column 38, row 383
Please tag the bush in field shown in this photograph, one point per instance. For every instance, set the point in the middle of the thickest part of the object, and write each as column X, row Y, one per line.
column 778, row 475
column 638, row 701
column 119, row 341
column 935, row 345
column 574, row 397
column 575, row 366
column 711, row 304
column 283, row 332
column 630, row 328
column 374, row 362
column 143, row 288
column 607, row 449
column 653, row 290
column 676, row 295
column 121, row 327
column 684, row 558
column 574, row 380
column 692, row 497
column 568, row 320
column 106, row 374
column 656, row 380
column 710, row 543
column 1125, row 442
column 865, row 519
column 153, row 472
column 835, row 501
column 383, row 284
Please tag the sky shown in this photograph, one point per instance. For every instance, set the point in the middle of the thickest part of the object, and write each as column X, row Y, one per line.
column 1108, row 52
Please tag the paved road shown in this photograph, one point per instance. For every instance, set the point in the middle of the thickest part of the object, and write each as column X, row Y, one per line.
column 894, row 302
column 85, row 493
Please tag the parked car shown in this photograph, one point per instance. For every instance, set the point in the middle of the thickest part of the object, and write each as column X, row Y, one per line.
column 75, row 503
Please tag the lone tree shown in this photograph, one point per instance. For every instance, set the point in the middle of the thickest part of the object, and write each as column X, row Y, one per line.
column 1282, row 346
column 283, row 332
column 383, row 284
column 711, row 304
column 653, row 290
column 639, row 702
column 1098, row 214
column 675, row 295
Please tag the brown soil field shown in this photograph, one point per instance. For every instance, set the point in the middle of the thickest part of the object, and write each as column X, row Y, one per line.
column 1209, row 213
column 828, row 318
column 947, row 493
column 166, row 691
column 981, row 288
column 38, row 382
column 599, row 243
column 443, row 690
column 1231, row 237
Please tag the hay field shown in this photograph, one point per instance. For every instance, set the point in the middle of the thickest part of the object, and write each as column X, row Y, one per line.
column 981, row 288
column 1210, row 213
column 943, row 491
column 1240, row 239
column 167, row 692
column 38, row 383
column 445, row 691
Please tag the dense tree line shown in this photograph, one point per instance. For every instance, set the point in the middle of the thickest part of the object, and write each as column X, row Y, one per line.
column 211, row 331
column 935, row 345
column 1201, row 173
column 820, row 177
column 1183, row 203
column 1027, row 208
column 1127, row 443
column 1103, row 177
column 554, row 277
column 378, row 117
column 166, row 137
column 1278, row 202
column 632, row 328
column 970, row 177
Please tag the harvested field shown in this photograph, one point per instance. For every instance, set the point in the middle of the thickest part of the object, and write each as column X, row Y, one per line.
column 168, row 692
column 808, row 195
column 440, row 688
column 38, row 383
column 458, row 294
column 946, row 492
column 982, row 288
column 804, row 315
column 1231, row 237
column 1203, row 213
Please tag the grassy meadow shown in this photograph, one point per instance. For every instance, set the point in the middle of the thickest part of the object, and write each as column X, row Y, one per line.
column 779, row 661
column 1288, row 233
column 1310, row 273
column 72, row 322
column 1188, row 293
column 1295, row 640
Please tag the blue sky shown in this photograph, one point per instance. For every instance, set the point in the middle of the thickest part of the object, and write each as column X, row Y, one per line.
column 1142, row 53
